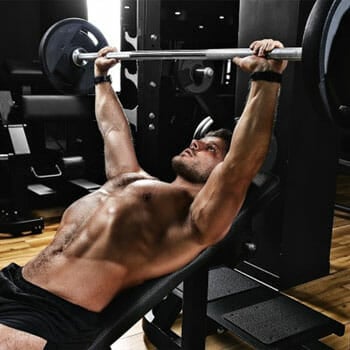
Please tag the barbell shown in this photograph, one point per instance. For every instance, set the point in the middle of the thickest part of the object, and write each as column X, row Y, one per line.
column 66, row 60
column 80, row 58
column 69, row 47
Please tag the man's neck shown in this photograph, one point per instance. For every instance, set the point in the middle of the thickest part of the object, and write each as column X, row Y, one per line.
column 192, row 188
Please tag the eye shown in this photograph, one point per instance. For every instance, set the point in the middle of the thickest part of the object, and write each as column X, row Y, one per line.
column 211, row 148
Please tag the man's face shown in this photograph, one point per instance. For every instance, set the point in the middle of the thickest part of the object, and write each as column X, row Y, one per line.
column 197, row 162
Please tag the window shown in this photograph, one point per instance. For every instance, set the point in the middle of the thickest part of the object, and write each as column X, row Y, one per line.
column 105, row 15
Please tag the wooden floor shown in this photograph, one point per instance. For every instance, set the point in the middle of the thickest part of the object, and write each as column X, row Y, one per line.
column 329, row 295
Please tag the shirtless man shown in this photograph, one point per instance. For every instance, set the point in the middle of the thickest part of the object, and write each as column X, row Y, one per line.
column 135, row 227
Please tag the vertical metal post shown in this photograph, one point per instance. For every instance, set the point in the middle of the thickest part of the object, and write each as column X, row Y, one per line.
column 149, row 74
column 194, row 324
column 128, row 76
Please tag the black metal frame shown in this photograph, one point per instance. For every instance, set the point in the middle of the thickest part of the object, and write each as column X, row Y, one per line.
column 201, row 315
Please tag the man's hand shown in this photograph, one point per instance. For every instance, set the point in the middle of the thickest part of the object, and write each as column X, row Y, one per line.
column 103, row 64
column 258, row 61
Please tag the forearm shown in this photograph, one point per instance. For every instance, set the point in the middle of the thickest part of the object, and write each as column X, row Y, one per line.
column 119, row 149
column 252, row 134
column 109, row 111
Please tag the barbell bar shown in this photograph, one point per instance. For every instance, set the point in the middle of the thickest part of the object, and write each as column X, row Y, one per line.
column 80, row 58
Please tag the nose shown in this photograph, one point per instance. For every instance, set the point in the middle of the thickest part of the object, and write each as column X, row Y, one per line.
column 196, row 145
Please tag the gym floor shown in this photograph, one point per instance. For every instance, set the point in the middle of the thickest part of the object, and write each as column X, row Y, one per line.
column 329, row 295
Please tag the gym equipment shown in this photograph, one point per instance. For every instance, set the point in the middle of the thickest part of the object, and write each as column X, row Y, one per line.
column 68, row 48
column 71, row 169
column 203, row 127
column 65, row 54
column 15, row 216
column 325, row 56
column 81, row 57
column 194, row 77
column 55, row 54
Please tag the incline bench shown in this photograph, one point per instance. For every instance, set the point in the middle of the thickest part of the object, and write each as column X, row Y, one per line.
column 156, row 295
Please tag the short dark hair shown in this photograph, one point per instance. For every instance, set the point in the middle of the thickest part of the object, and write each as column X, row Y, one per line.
column 224, row 134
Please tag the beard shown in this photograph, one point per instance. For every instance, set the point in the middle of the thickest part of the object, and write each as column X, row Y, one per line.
column 189, row 172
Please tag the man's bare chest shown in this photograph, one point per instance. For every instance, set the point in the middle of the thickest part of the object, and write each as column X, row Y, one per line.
column 147, row 200
column 142, row 205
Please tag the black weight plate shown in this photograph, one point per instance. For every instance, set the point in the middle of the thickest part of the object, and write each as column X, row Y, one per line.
column 334, row 62
column 311, row 53
column 55, row 54
column 325, row 59
column 186, row 77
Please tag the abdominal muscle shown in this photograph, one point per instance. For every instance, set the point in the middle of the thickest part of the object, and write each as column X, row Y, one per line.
column 105, row 243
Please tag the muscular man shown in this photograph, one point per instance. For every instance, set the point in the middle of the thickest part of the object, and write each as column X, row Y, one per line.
column 136, row 227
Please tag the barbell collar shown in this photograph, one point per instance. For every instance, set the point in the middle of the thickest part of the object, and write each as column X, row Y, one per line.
column 287, row 53
column 204, row 72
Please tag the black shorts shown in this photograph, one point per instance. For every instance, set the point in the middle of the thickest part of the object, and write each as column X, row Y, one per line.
column 27, row 307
